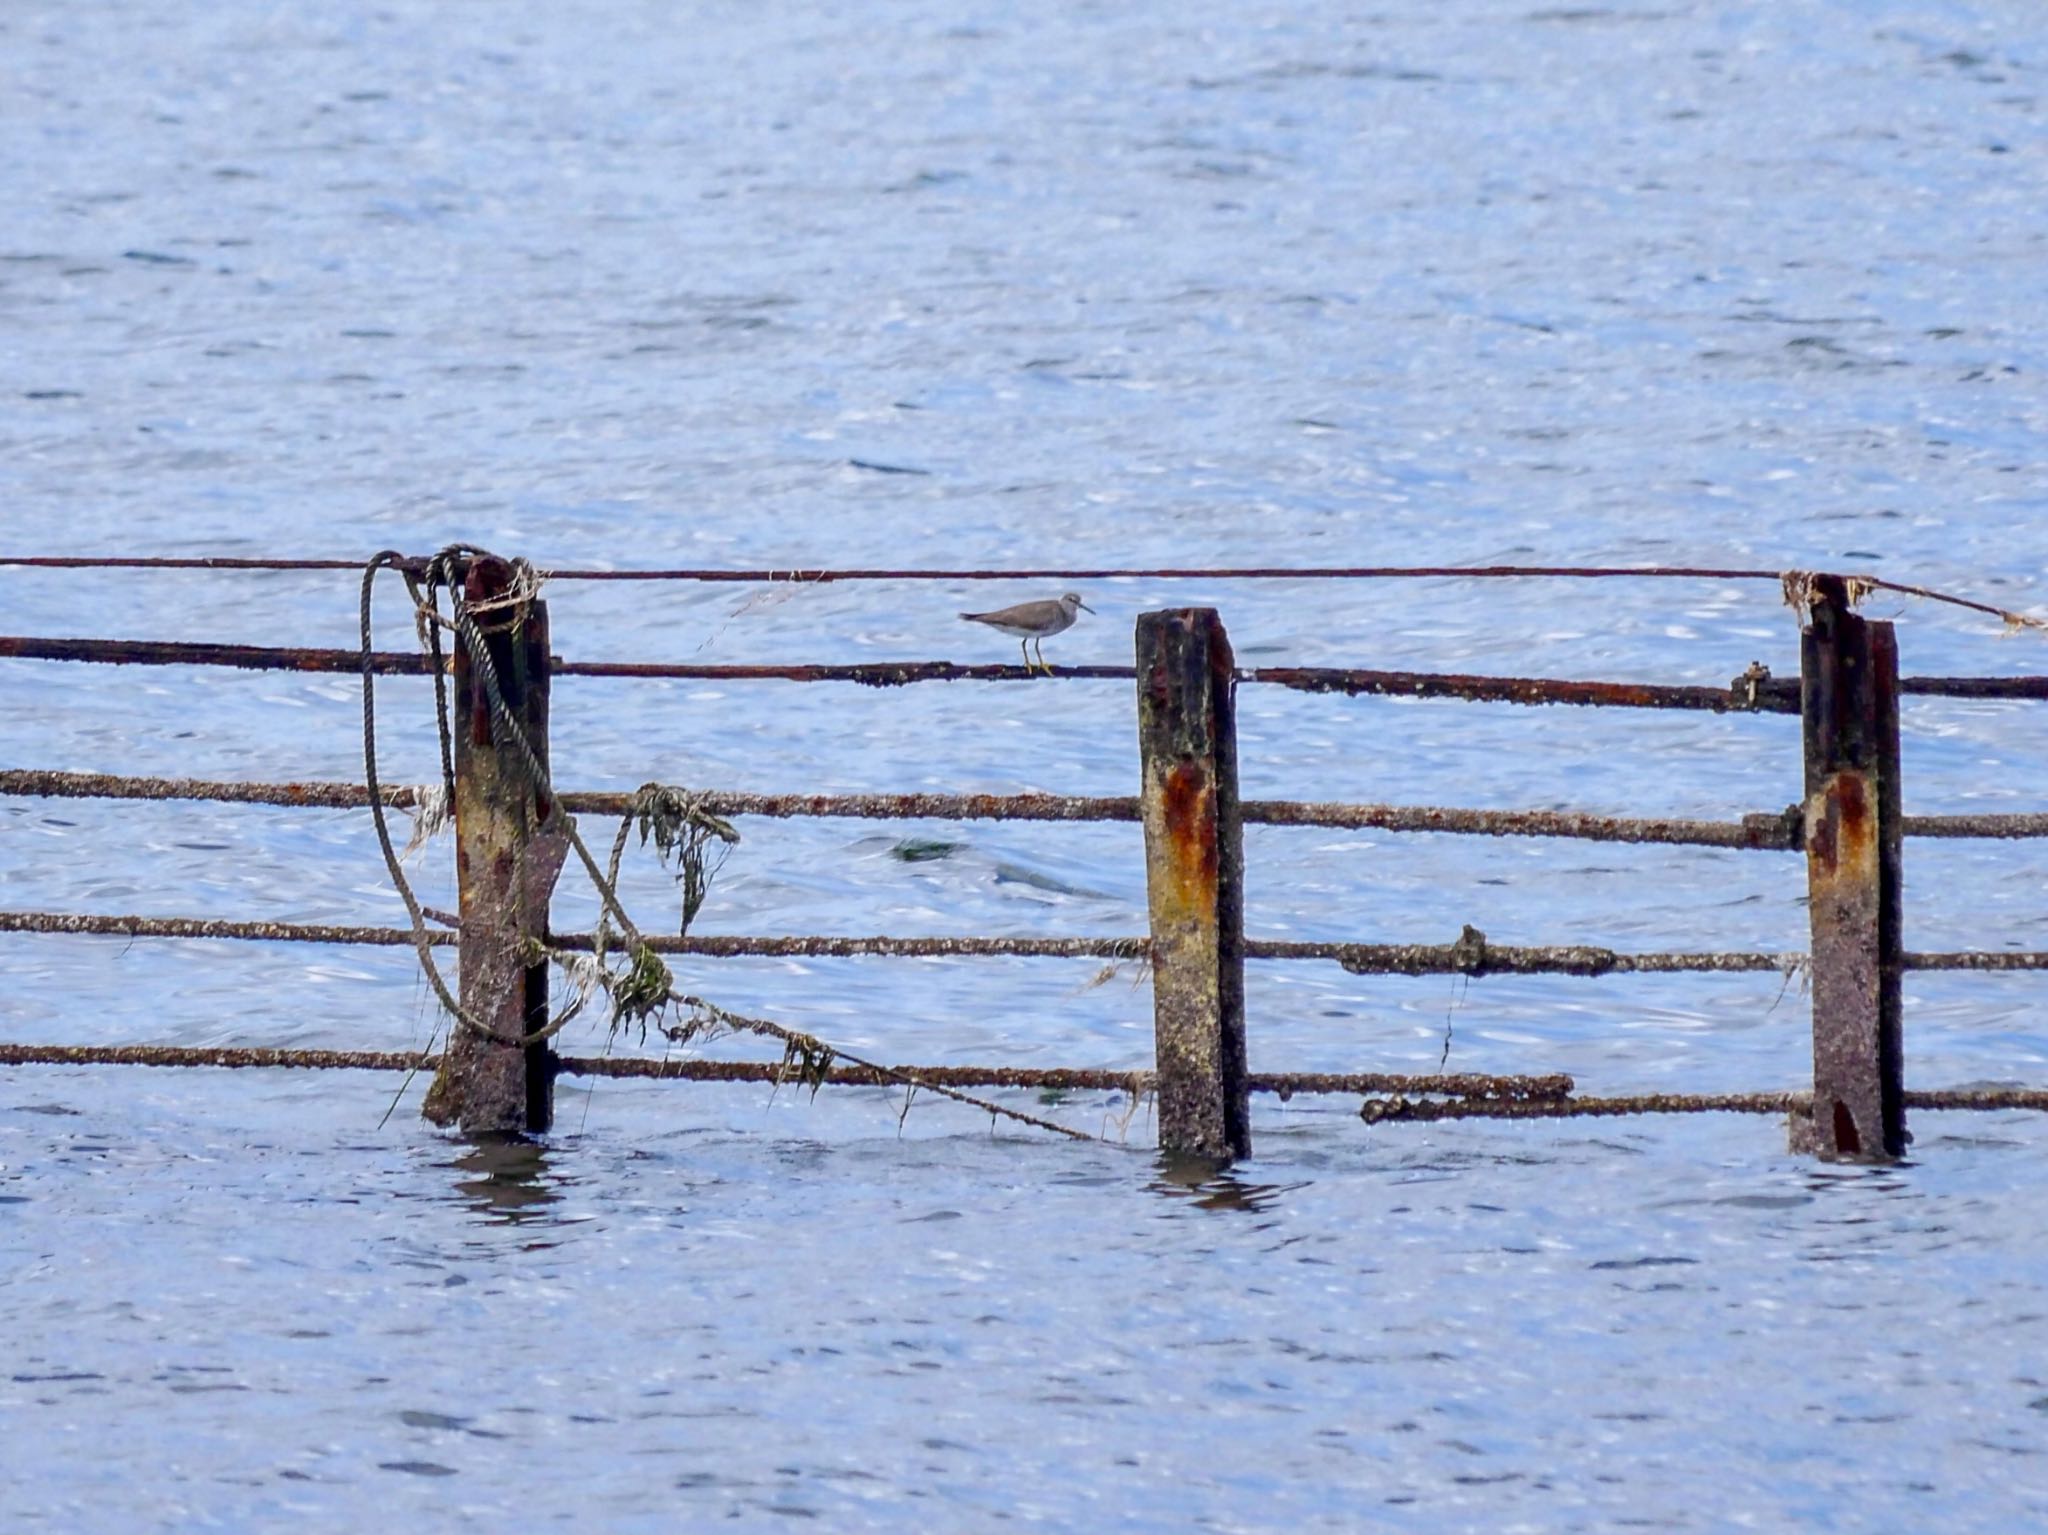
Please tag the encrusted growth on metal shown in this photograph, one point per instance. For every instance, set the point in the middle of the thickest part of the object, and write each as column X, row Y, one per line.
column 1461, row 958
column 837, row 1074
column 1765, row 831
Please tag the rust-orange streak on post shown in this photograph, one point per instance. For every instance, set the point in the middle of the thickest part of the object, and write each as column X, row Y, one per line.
column 1849, row 693
column 1194, row 880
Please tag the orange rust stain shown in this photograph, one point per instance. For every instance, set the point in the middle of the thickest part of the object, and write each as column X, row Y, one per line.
column 1189, row 802
column 1842, row 828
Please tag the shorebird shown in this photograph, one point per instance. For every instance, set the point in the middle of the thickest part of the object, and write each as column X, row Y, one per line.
column 1031, row 622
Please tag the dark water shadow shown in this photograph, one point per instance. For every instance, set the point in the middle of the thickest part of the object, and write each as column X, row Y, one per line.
column 508, row 1180
column 1824, row 1180
column 1208, row 1184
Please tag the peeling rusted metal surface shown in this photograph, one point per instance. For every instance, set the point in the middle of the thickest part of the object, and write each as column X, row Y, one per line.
column 1194, row 879
column 1849, row 672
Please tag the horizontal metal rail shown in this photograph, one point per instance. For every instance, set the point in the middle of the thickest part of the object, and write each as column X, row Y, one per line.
column 822, row 575
column 1779, row 831
column 1982, row 1100
column 1285, row 1084
column 1766, row 831
column 1466, row 957
column 1791, row 581
column 1456, row 1096
column 1764, row 695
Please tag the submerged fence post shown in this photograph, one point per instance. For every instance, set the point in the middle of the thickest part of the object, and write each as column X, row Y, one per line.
column 1194, row 877
column 1849, row 706
column 505, row 872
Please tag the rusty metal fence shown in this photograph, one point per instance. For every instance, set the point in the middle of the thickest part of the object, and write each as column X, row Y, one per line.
column 1849, row 826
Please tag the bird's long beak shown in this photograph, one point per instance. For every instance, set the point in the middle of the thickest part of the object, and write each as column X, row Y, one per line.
column 1085, row 608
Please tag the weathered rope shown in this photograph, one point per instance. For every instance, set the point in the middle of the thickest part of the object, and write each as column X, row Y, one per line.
column 422, row 939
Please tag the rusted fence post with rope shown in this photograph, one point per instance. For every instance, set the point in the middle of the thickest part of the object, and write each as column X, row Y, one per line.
column 1194, row 878
column 496, row 1072
column 505, row 867
column 1849, row 704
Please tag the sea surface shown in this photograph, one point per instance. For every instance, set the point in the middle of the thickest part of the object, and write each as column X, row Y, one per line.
column 909, row 285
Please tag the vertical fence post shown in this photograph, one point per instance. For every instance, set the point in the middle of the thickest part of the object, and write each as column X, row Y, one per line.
column 1194, row 877
column 1849, row 707
column 505, row 872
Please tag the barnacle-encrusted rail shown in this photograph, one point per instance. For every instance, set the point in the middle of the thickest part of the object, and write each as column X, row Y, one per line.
column 1769, row 831
column 1442, row 1096
column 1283, row 1084
column 1470, row 955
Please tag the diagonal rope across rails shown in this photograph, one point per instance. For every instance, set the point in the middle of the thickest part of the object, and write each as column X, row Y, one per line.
column 702, row 1011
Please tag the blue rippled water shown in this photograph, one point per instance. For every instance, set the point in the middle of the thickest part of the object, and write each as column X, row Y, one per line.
column 901, row 284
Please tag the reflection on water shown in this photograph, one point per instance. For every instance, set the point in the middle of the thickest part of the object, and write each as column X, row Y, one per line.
column 509, row 1181
column 1207, row 1185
